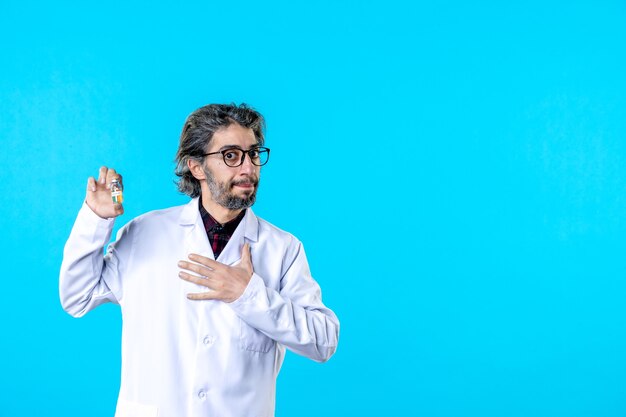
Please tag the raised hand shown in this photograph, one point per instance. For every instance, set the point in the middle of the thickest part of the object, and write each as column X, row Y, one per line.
column 99, row 194
column 226, row 282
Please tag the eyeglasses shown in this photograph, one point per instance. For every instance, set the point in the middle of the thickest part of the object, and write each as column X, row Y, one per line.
column 234, row 157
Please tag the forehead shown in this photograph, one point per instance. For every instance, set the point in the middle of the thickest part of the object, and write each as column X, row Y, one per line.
column 233, row 135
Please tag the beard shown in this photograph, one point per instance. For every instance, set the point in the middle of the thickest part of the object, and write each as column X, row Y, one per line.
column 222, row 192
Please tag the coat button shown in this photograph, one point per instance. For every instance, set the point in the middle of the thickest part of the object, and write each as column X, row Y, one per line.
column 208, row 340
column 201, row 394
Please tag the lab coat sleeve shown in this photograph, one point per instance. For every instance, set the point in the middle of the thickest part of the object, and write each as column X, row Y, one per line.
column 88, row 278
column 294, row 316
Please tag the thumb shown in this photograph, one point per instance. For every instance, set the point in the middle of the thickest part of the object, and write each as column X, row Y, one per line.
column 246, row 257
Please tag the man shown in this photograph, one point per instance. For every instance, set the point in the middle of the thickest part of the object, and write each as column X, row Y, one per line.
column 210, row 294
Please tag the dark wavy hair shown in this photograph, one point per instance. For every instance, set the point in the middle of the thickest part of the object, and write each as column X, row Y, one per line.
column 198, row 132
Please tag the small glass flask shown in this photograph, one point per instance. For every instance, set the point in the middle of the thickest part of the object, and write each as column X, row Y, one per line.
column 116, row 191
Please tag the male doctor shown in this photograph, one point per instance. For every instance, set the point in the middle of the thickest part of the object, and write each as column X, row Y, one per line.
column 211, row 295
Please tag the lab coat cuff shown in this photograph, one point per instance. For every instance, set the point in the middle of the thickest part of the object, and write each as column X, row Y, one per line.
column 87, row 215
column 249, row 295
column 92, row 226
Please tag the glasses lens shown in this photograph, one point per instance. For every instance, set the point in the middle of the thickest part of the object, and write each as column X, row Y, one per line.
column 232, row 157
column 260, row 156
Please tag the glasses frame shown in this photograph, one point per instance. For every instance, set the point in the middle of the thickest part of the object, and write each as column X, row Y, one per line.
column 243, row 155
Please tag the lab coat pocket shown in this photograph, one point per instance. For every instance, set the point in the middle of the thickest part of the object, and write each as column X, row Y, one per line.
column 133, row 409
column 254, row 340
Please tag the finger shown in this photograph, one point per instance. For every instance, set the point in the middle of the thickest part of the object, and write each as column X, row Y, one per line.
column 102, row 175
column 204, row 261
column 195, row 279
column 111, row 174
column 119, row 209
column 197, row 268
column 212, row 295
column 91, row 184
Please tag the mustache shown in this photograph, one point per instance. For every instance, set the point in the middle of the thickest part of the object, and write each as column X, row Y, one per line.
column 251, row 180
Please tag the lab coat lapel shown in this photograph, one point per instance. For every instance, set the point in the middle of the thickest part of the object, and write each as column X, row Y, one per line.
column 196, row 240
column 246, row 231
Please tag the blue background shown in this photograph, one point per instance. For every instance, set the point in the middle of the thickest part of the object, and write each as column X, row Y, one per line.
column 455, row 171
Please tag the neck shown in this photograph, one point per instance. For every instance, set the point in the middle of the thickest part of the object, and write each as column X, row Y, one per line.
column 218, row 212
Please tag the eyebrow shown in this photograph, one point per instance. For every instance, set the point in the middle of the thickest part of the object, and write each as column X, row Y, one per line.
column 226, row 147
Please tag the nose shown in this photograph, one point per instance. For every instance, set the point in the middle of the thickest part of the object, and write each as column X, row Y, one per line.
column 247, row 167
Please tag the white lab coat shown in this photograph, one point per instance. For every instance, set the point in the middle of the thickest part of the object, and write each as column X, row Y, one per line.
column 196, row 358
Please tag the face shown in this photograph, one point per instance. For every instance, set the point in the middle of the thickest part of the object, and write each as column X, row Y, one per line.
column 233, row 188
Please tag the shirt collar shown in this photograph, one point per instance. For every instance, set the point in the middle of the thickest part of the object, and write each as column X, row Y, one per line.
column 190, row 216
column 210, row 224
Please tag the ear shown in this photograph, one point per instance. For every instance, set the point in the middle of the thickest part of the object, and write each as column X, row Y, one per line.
column 196, row 169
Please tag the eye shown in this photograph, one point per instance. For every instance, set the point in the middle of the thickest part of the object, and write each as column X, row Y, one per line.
column 231, row 155
column 253, row 153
